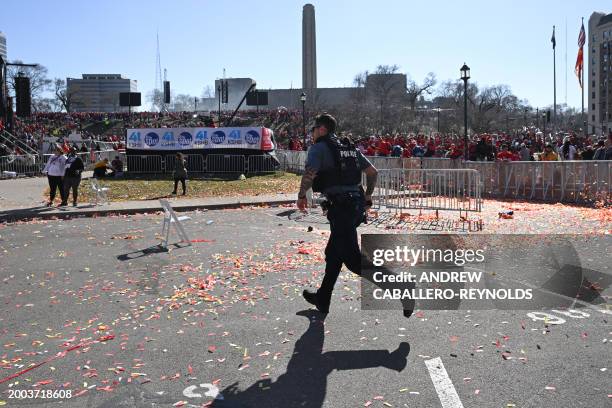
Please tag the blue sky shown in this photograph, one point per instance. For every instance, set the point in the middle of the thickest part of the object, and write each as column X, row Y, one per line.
column 503, row 42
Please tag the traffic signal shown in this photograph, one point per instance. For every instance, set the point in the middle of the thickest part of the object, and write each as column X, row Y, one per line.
column 548, row 116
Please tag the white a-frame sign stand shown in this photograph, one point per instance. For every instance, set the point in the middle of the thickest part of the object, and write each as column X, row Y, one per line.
column 171, row 219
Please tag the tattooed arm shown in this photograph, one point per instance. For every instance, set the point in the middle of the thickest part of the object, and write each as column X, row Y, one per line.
column 371, row 177
column 306, row 183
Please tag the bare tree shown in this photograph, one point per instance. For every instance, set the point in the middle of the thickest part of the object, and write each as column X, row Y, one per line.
column 183, row 103
column 39, row 82
column 355, row 115
column 208, row 92
column 381, row 88
column 360, row 79
column 156, row 99
column 415, row 90
column 64, row 98
column 42, row 105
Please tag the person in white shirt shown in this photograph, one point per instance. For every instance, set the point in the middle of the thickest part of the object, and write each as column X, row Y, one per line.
column 567, row 151
column 55, row 170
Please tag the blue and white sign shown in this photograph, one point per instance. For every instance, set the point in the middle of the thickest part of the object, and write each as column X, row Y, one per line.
column 151, row 139
column 199, row 138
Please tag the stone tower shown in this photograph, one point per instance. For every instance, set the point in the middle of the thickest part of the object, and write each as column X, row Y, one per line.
column 309, row 49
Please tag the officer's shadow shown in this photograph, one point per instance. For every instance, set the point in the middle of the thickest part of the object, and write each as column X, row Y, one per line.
column 305, row 382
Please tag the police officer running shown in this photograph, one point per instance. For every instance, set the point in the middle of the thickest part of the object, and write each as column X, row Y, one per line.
column 333, row 168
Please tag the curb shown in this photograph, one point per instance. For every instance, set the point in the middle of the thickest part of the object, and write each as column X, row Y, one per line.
column 27, row 215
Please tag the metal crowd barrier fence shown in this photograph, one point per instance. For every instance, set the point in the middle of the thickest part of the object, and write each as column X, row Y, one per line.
column 90, row 158
column 225, row 163
column 33, row 165
column 16, row 165
column 291, row 160
column 559, row 181
column 428, row 189
column 195, row 163
column 145, row 164
column 261, row 164
column 212, row 163
column 567, row 181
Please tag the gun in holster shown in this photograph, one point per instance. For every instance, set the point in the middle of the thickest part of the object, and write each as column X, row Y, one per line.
column 339, row 200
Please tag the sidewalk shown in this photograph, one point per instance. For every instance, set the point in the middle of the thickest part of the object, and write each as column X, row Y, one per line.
column 22, row 199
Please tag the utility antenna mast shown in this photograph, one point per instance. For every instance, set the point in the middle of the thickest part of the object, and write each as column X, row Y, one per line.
column 158, row 93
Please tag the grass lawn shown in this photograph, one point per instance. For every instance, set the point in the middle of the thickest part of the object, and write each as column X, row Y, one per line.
column 135, row 189
column 140, row 189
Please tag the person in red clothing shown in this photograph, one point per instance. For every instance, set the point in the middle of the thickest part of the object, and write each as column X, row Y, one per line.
column 507, row 155
column 384, row 148
column 370, row 150
column 455, row 152
column 65, row 147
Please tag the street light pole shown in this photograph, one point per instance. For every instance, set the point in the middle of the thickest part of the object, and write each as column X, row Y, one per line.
column 438, row 109
column 303, row 100
column 465, row 75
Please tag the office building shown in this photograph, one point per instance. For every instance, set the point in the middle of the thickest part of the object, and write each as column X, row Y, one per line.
column 599, row 77
column 99, row 92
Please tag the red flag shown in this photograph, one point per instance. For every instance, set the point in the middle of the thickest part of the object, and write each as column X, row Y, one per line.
column 580, row 58
column 579, row 66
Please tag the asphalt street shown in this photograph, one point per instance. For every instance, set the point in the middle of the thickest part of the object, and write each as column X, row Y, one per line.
column 92, row 306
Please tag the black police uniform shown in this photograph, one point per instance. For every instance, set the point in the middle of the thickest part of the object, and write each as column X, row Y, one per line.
column 341, row 185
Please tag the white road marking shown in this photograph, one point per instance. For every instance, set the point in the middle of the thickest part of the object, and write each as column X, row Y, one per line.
column 444, row 386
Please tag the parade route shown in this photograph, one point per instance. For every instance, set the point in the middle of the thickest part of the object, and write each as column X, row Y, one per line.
column 223, row 322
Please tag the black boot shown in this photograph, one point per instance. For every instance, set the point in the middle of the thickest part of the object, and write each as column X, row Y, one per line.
column 408, row 313
column 311, row 297
column 398, row 359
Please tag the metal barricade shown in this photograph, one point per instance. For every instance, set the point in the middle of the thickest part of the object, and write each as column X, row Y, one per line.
column 262, row 164
column 195, row 163
column 386, row 162
column 427, row 189
column 440, row 163
column 554, row 181
column 107, row 154
column 20, row 165
column 225, row 163
column 90, row 158
column 144, row 164
column 411, row 163
column 559, row 181
column 291, row 160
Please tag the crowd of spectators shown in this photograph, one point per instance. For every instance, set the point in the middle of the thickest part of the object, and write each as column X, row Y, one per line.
column 525, row 145
column 528, row 145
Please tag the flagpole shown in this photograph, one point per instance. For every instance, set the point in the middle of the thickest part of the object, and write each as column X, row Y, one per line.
column 584, row 121
column 554, row 86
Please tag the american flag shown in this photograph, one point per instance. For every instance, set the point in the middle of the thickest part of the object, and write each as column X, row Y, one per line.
column 581, row 37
